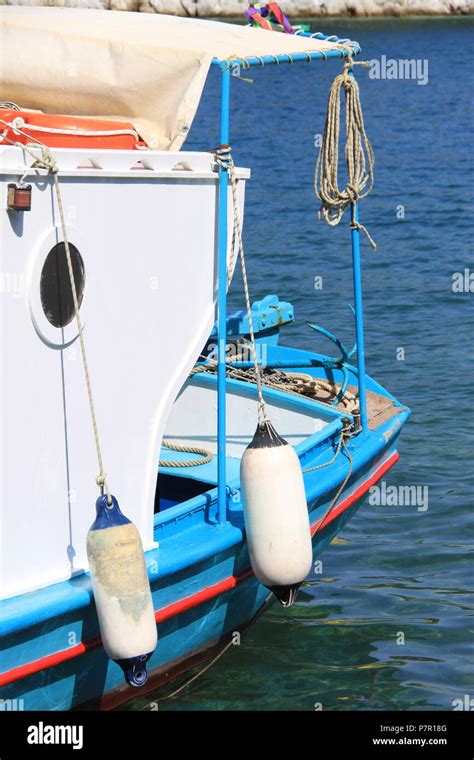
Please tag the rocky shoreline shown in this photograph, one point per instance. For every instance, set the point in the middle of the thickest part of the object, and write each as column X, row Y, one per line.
column 307, row 8
column 293, row 8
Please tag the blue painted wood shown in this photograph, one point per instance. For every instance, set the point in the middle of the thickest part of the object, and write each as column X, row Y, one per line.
column 191, row 556
column 267, row 313
column 92, row 675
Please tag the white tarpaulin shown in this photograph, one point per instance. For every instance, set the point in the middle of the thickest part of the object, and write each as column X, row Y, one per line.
column 147, row 69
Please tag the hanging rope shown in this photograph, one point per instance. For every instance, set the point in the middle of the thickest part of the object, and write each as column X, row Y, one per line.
column 226, row 162
column 215, row 659
column 358, row 153
column 333, row 458
column 345, row 438
column 47, row 161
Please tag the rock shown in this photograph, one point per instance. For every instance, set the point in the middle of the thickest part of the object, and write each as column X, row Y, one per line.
column 173, row 7
column 97, row 4
column 294, row 9
column 124, row 5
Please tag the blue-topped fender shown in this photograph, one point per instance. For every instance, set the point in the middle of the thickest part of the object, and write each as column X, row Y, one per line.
column 121, row 590
column 108, row 516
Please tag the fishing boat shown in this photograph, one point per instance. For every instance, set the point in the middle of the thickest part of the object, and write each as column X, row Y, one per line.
column 236, row 459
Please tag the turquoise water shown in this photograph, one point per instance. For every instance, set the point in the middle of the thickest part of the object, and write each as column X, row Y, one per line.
column 394, row 570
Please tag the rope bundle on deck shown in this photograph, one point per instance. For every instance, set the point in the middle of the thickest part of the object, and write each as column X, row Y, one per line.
column 296, row 383
column 358, row 154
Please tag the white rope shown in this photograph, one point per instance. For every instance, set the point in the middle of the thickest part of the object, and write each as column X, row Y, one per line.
column 9, row 105
column 47, row 161
column 225, row 161
column 18, row 124
column 358, row 154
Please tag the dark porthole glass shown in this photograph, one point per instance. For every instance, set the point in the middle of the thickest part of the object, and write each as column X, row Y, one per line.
column 55, row 285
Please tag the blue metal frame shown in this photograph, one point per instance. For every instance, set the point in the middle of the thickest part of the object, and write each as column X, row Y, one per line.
column 222, row 302
column 312, row 55
column 359, row 316
column 348, row 46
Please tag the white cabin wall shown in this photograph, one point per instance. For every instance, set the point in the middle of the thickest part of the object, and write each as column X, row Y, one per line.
column 149, row 249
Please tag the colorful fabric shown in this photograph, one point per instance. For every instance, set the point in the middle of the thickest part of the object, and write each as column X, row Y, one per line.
column 269, row 16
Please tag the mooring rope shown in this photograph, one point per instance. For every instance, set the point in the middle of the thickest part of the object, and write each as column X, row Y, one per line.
column 358, row 153
column 226, row 162
column 333, row 458
column 344, row 438
column 48, row 162
column 215, row 659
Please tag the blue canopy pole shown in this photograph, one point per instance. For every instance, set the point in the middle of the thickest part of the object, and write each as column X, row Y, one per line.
column 359, row 316
column 222, row 303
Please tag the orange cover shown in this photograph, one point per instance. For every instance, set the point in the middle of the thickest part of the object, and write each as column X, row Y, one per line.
column 70, row 125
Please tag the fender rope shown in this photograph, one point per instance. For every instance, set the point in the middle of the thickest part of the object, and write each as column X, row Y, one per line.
column 48, row 162
column 358, row 153
column 225, row 161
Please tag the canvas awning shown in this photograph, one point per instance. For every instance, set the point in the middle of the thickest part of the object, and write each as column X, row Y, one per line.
column 144, row 68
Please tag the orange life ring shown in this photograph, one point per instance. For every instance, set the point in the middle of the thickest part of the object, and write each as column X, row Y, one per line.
column 57, row 131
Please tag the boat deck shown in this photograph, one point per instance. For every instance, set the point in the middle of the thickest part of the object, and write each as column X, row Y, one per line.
column 177, row 484
column 380, row 408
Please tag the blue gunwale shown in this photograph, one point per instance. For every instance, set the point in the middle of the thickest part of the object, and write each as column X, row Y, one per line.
column 43, row 640
column 203, row 537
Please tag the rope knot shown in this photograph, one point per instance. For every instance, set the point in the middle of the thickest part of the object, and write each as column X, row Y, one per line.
column 358, row 226
column 352, row 193
column 223, row 154
column 46, row 160
column 101, row 480
column 346, row 431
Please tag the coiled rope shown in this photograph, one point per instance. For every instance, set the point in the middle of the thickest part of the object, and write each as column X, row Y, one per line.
column 206, row 455
column 358, row 153
column 46, row 161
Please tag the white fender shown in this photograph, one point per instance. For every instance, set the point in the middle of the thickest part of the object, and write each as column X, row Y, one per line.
column 121, row 591
column 276, row 514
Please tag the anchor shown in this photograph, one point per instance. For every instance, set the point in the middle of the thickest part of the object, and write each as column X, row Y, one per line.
column 340, row 362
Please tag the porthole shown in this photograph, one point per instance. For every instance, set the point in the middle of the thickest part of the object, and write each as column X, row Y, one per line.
column 55, row 286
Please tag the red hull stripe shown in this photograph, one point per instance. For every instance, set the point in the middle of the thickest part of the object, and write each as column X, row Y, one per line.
column 189, row 602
